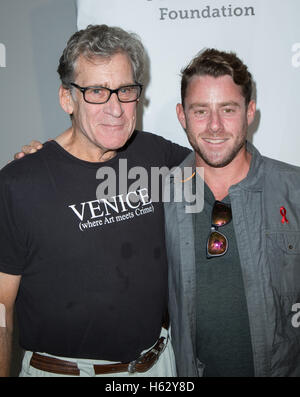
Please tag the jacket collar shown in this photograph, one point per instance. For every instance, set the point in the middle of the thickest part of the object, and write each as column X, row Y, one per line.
column 254, row 178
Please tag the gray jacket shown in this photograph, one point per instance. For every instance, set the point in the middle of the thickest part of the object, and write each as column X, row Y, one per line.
column 270, row 260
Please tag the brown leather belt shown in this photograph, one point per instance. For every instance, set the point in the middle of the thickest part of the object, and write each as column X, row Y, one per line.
column 57, row 366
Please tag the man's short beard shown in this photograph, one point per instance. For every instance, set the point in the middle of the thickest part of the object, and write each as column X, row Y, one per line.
column 223, row 162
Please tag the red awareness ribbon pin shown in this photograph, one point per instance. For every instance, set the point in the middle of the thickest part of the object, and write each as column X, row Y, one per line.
column 283, row 214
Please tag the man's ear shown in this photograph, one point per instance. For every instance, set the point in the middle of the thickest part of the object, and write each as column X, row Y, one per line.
column 181, row 115
column 66, row 100
column 251, row 112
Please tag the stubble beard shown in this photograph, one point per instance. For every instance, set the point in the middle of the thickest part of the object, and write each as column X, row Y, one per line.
column 216, row 159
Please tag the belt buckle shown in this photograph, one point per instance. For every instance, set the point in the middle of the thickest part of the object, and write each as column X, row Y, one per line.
column 156, row 350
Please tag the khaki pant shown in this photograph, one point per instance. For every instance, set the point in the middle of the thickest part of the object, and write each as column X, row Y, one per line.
column 164, row 367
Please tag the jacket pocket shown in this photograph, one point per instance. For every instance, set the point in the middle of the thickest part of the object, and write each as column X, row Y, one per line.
column 285, row 357
column 283, row 252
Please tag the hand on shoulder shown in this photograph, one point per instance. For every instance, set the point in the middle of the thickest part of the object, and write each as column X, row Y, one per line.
column 32, row 147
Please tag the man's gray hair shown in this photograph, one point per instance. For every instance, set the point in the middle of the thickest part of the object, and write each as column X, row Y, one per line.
column 103, row 41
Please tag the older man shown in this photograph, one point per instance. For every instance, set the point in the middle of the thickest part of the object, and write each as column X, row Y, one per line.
column 89, row 272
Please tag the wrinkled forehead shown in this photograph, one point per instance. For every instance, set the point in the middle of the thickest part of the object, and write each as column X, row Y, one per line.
column 117, row 64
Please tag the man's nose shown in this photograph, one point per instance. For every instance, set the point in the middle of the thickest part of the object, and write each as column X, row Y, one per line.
column 215, row 123
column 114, row 106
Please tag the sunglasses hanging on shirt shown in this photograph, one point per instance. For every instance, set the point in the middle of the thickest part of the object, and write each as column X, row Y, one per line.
column 217, row 243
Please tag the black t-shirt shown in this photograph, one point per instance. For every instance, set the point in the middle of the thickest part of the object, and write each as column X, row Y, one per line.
column 94, row 272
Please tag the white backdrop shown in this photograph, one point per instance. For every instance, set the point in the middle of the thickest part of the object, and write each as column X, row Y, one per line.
column 265, row 34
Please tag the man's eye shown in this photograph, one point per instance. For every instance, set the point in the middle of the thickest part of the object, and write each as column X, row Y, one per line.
column 126, row 90
column 97, row 91
column 228, row 110
column 200, row 112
